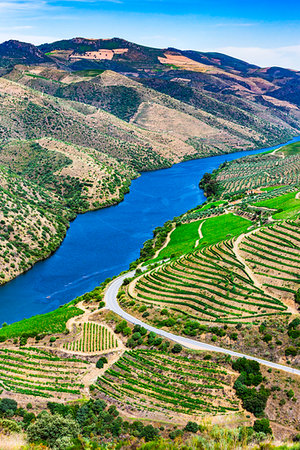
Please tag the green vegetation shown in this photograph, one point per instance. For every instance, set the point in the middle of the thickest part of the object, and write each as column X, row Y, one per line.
column 180, row 384
column 287, row 206
column 223, row 227
column 254, row 400
column 37, row 373
column 290, row 150
column 182, row 240
column 94, row 424
column 215, row 229
column 273, row 254
column 94, row 338
column 48, row 323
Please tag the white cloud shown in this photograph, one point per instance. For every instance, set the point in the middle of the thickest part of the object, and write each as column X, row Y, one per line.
column 13, row 6
column 288, row 56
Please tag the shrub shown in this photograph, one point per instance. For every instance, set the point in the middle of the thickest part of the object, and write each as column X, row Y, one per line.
column 121, row 326
column 192, row 427
column 57, row 431
column 290, row 394
column 149, row 433
column 10, row 426
column 136, row 336
column 127, row 331
column 177, row 348
column 101, row 304
column 99, row 364
column 291, row 351
column 267, row 337
column 262, row 426
column 101, row 361
column 8, row 404
column 52, row 339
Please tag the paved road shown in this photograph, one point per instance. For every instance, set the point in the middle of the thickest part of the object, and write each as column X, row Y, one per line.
column 112, row 304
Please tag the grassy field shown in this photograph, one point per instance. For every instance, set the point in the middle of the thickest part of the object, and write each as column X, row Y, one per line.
column 287, row 205
column 223, row 227
column 214, row 229
column 291, row 149
column 49, row 323
column 270, row 188
column 182, row 240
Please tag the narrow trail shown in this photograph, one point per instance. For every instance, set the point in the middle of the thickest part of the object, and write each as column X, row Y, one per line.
column 200, row 234
column 112, row 304
column 87, row 316
column 250, row 273
column 243, row 262
column 165, row 244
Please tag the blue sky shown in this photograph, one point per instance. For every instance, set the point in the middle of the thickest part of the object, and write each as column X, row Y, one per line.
column 264, row 32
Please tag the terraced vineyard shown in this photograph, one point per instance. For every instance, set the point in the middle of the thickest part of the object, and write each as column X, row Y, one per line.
column 210, row 285
column 257, row 171
column 35, row 372
column 93, row 338
column 154, row 381
column 273, row 255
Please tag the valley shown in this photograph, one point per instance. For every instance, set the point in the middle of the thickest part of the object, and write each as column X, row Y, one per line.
column 118, row 336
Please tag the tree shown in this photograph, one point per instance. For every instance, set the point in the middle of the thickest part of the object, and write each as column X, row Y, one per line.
column 7, row 405
column 121, row 326
column 291, row 351
column 262, row 425
column 192, row 427
column 177, row 348
column 57, row 431
column 149, row 433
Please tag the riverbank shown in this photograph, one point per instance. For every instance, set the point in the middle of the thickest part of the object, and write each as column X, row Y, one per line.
column 103, row 243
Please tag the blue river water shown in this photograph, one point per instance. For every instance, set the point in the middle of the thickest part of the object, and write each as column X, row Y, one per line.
column 102, row 243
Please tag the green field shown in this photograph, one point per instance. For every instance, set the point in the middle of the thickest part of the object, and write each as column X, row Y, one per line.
column 182, row 240
column 49, row 323
column 223, row 227
column 215, row 229
column 291, row 149
column 286, row 205
column 212, row 205
column 270, row 188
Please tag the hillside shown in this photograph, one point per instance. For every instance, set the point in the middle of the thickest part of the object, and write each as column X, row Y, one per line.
column 230, row 268
column 43, row 185
column 147, row 360
column 204, row 122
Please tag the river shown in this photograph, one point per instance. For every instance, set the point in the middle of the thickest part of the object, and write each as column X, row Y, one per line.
column 102, row 243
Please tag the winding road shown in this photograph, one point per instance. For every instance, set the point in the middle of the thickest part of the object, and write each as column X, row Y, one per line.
column 112, row 304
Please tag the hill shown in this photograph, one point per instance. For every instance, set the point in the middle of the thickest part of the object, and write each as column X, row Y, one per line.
column 43, row 185
column 15, row 52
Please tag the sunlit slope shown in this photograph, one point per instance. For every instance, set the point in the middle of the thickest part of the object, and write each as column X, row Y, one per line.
column 29, row 114
column 205, row 122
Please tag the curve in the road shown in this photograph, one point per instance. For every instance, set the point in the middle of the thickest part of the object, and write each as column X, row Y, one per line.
column 112, row 304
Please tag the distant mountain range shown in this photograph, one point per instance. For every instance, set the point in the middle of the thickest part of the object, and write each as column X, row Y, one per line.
column 171, row 103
